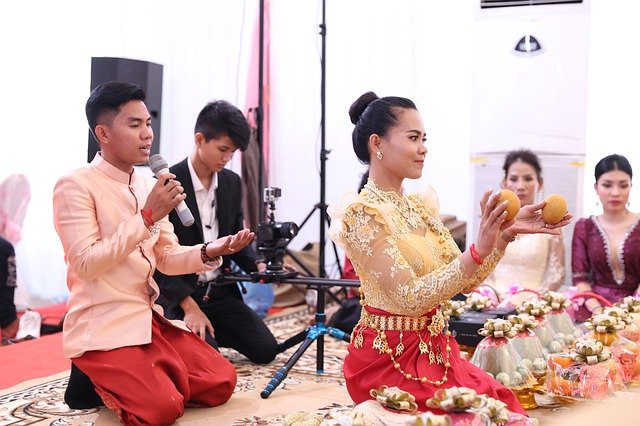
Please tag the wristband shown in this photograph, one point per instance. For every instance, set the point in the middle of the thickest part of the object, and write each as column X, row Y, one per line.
column 205, row 257
column 147, row 219
column 474, row 254
column 147, row 216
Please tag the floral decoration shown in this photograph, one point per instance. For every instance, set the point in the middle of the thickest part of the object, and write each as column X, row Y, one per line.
column 454, row 308
column 394, row 398
column 522, row 322
column 477, row 302
column 604, row 323
column 498, row 328
column 537, row 308
column 589, row 351
column 557, row 301
column 630, row 303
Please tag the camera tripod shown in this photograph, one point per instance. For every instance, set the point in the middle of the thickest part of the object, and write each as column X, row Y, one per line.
column 306, row 337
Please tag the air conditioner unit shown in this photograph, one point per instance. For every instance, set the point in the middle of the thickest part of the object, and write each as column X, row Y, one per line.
column 529, row 81
column 562, row 173
column 491, row 4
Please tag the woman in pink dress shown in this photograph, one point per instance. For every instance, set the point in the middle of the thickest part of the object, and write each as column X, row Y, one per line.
column 409, row 264
column 605, row 251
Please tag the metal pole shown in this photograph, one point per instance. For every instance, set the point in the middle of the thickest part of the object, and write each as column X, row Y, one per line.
column 259, row 111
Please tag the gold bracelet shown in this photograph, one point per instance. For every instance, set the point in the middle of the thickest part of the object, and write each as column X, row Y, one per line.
column 507, row 238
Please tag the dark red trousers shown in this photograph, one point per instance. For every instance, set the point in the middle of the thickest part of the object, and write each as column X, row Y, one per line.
column 151, row 384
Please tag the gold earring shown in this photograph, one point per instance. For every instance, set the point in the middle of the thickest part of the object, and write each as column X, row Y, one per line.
column 379, row 155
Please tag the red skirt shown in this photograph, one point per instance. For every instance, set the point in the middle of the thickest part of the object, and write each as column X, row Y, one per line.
column 365, row 368
column 151, row 384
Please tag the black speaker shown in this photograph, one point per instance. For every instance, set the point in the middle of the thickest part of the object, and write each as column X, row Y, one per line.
column 147, row 75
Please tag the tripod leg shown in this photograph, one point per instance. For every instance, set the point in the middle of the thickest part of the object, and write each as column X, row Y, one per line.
column 283, row 371
column 293, row 340
column 339, row 334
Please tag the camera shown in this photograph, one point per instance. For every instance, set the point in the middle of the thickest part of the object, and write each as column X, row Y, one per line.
column 272, row 236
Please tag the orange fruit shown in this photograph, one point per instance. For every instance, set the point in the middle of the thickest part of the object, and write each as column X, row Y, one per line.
column 513, row 203
column 555, row 209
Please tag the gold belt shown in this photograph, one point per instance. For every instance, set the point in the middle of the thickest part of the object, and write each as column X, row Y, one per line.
column 394, row 322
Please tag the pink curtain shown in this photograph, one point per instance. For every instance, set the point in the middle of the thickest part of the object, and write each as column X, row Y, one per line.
column 15, row 193
column 251, row 156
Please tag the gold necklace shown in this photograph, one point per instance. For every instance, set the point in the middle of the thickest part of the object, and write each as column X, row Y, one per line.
column 414, row 215
column 410, row 214
column 399, row 200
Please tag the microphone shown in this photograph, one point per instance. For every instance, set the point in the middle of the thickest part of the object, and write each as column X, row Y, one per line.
column 159, row 167
column 210, row 224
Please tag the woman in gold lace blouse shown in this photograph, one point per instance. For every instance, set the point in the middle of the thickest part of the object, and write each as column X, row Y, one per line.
column 408, row 263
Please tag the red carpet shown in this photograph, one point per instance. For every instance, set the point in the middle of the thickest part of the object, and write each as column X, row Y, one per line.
column 40, row 357
column 35, row 358
column 32, row 359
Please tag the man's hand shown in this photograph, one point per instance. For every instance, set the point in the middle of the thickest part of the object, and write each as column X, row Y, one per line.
column 195, row 319
column 165, row 195
column 230, row 244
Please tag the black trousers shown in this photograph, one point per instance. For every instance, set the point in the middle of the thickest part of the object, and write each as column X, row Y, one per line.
column 236, row 325
column 8, row 312
column 80, row 393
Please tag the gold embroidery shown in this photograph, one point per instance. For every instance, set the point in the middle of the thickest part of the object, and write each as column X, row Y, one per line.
column 400, row 346
column 437, row 323
column 380, row 342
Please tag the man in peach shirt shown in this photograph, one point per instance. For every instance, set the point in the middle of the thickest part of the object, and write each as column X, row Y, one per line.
column 113, row 227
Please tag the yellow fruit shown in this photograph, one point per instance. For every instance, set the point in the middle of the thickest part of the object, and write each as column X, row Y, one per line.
column 555, row 209
column 513, row 203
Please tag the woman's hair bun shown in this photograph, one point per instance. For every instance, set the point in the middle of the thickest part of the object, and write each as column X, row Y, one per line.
column 358, row 107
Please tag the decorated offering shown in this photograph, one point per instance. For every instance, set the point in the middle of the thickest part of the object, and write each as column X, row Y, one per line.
column 489, row 410
column 527, row 344
column 610, row 327
column 547, row 335
column 631, row 330
column 495, row 355
column 587, row 371
column 559, row 320
column 604, row 328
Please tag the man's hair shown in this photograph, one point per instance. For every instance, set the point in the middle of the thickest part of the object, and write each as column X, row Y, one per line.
column 105, row 101
column 220, row 118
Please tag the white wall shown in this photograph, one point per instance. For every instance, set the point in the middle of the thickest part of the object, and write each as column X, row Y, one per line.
column 613, row 92
column 45, row 80
column 414, row 48
column 407, row 48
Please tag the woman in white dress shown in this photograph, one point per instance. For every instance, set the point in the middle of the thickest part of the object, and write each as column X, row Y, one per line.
column 533, row 261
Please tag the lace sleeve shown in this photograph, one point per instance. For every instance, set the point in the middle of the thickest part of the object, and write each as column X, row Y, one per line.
column 384, row 263
column 484, row 270
column 555, row 272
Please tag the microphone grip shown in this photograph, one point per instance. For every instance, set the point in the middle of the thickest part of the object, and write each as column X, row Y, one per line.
column 184, row 214
column 181, row 209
